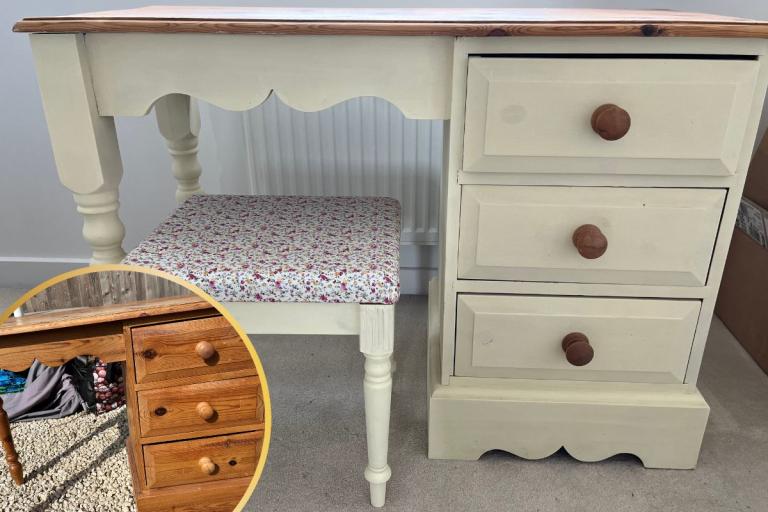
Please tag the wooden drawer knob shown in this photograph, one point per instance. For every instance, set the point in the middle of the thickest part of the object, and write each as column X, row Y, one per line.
column 205, row 411
column 205, row 350
column 207, row 466
column 610, row 121
column 590, row 241
column 577, row 349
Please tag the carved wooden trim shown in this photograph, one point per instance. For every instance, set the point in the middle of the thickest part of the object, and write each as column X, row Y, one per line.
column 56, row 347
column 130, row 74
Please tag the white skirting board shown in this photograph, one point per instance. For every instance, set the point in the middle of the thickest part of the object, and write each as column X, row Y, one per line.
column 26, row 273
column 418, row 264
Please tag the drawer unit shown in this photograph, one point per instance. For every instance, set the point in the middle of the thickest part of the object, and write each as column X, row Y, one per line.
column 200, row 407
column 196, row 410
column 589, row 194
column 186, row 348
column 631, row 340
column 536, row 115
column 202, row 460
column 650, row 236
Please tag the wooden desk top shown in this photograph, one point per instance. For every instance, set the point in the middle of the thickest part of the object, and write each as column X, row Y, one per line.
column 405, row 21
column 76, row 317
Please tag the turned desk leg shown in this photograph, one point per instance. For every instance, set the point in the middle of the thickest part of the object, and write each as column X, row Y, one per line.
column 102, row 227
column 11, row 457
column 84, row 143
column 377, row 343
column 178, row 119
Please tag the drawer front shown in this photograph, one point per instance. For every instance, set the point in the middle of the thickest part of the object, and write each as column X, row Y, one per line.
column 201, row 407
column 633, row 340
column 654, row 236
column 687, row 116
column 202, row 460
column 186, row 348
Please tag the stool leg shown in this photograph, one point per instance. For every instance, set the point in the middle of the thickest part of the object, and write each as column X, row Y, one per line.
column 11, row 457
column 178, row 119
column 376, row 343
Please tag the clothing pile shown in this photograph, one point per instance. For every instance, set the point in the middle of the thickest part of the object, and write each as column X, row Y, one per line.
column 82, row 384
column 108, row 386
column 11, row 382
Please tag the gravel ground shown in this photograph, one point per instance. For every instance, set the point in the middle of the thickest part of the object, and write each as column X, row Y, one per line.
column 73, row 464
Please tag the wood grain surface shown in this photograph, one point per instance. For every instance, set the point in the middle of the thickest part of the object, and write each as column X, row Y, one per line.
column 167, row 351
column 56, row 347
column 219, row 495
column 404, row 21
column 177, row 463
column 102, row 289
column 63, row 318
column 235, row 403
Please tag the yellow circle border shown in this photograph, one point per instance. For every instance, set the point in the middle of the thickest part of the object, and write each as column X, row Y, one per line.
column 213, row 302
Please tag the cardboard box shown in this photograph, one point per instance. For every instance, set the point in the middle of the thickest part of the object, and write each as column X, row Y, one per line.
column 742, row 303
column 753, row 220
column 756, row 187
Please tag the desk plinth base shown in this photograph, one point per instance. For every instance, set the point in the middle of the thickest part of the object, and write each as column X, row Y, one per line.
column 662, row 424
column 218, row 496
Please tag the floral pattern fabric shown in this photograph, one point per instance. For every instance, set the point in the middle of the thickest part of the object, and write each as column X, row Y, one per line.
column 281, row 248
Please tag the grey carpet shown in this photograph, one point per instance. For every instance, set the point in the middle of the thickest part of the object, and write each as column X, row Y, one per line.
column 318, row 446
column 317, row 454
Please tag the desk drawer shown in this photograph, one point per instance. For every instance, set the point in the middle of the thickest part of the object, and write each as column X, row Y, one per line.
column 190, row 347
column 654, row 236
column 633, row 340
column 200, row 407
column 687, row 116
column 202, row 460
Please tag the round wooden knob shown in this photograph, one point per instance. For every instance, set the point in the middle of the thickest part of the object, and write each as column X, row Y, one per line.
column 205, row 350
column 610, row 121
column 590, row 241
column 205, row 411
column 577, row 349
column 207, row 466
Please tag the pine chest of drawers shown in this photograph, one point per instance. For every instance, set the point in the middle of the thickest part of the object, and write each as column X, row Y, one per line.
column 591, row 187
column 196, row 413
column 195, row 401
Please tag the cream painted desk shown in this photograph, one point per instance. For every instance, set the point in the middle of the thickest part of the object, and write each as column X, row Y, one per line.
column 594, row 162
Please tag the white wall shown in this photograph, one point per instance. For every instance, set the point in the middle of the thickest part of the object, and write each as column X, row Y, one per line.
column 39, row 228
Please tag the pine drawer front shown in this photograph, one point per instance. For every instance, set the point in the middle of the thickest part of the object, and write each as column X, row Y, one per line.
column 202, row 460
column 634, row 340
column 185, row 348
column 531, row 115
column 654, row 236
column 200, row 407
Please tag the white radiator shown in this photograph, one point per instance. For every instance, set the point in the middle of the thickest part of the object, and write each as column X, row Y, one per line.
column 363, row 146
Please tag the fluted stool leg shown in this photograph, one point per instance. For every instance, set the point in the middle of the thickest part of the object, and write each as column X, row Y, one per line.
column 377, row 343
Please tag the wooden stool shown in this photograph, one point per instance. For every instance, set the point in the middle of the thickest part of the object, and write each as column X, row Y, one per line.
column 298, row 265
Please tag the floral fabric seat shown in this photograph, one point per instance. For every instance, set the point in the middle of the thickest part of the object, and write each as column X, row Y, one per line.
column 281, row 248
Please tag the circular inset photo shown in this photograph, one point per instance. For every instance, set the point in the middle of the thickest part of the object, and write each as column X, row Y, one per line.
column 127, row 389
